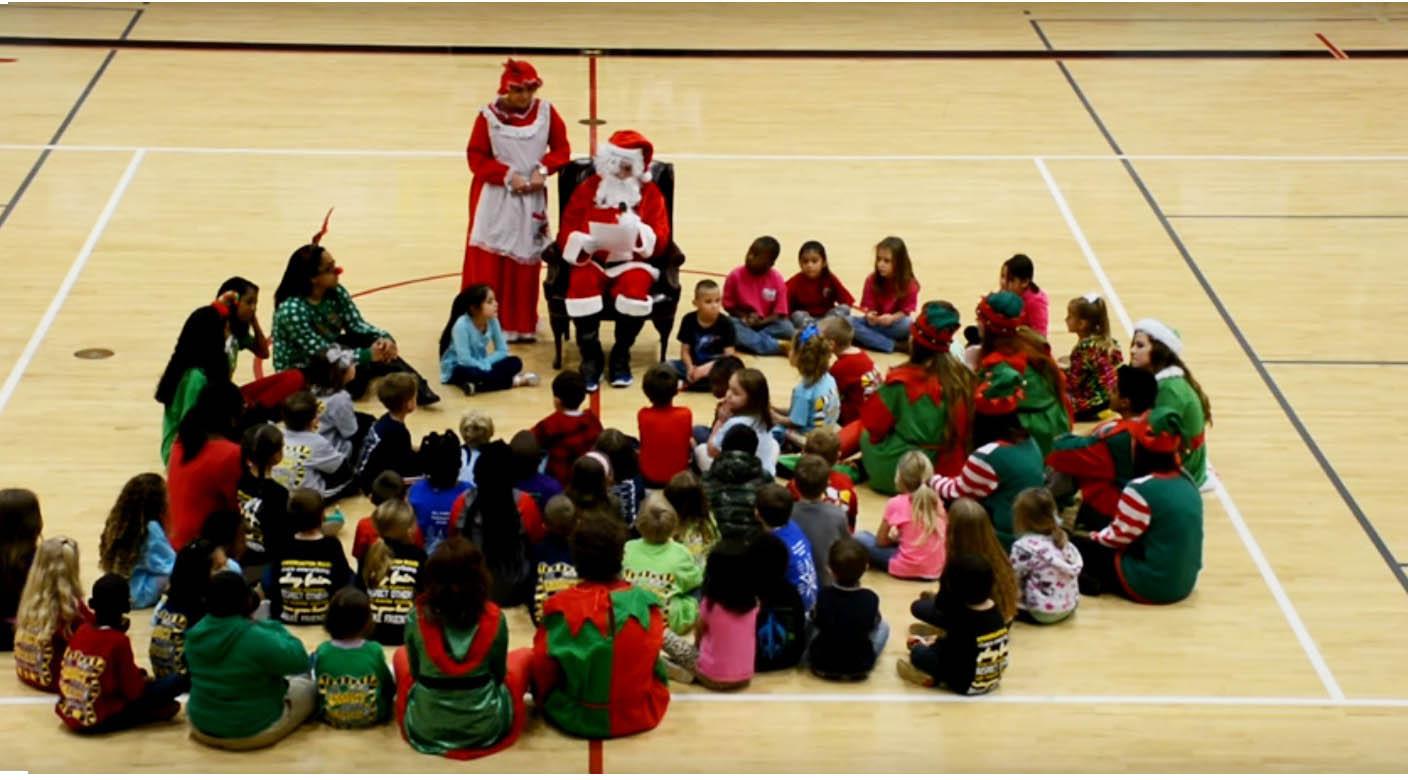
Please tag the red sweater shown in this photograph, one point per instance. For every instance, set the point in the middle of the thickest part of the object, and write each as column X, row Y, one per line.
column 566, row 437
column 872, row 298
column 206, row 484
column 666, row 442
column 856, row 379
column 38, row 658
column 817, row 296
column 98, row 677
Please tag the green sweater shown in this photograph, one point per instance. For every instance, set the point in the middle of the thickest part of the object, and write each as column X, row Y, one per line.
column 449, row 711
column 238, row 668
column 303, row 330
column 188, row 391
column 1175, row 393
column 1162, row 564
column 670, row 572
column 355, row 687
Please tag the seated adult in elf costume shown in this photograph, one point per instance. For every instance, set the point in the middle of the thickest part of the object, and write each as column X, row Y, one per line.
column 1045, row 410
column 1159, row 349
column 1100, row 464
column 459, row 692
column 1153, row 550
column 1006, row 460
column 924, row 404
column 596, row 666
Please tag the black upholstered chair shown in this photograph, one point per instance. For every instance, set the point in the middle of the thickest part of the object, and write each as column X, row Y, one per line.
column 666, row 290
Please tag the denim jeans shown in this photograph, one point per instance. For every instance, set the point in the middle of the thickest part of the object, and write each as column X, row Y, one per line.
column 880, row 338
column 879, row 556
column 763, row 341
column 801, row 319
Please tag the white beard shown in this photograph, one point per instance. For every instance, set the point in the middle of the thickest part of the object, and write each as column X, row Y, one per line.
column 613, row 191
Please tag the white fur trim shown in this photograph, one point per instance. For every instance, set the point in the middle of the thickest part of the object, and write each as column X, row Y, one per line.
column 1169, row 372
column 1161, row 333
column 634, row 307
column 583, row 307
column 608, row 153
column 616, row 269
column 645, row 240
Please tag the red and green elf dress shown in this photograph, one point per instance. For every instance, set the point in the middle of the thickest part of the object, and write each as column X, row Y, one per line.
column 908, row 412
column 1045, row 410
column 596, row 665
column 459, row 693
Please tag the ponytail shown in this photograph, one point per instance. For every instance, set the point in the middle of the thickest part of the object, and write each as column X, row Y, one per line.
column 377, row 564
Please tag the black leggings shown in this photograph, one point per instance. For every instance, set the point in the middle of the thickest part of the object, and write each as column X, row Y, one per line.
column 366, row 372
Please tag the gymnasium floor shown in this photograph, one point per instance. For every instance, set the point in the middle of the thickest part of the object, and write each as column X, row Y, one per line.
column 1249, row 196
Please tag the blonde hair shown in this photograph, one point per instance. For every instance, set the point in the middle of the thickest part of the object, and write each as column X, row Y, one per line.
column 811, row 359
column 52, row 593
column 657, row 519
column 392, row 519
column 913, row 477
column 970, row 532
column 1034, row 512
column 476, row 428
column 1094, row 314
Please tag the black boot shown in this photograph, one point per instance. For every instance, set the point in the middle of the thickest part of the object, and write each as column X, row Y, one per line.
column 589, row 344
column 627, row 328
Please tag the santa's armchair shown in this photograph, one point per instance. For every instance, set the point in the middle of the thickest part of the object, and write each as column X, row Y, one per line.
column 666, row 290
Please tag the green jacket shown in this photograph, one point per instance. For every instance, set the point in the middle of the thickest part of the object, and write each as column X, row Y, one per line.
column 303, row 330
column 1175, row 393
column 237, row 669
column 732, row 485
column 1161, row 566
column 1018, row 467
column 668, row 570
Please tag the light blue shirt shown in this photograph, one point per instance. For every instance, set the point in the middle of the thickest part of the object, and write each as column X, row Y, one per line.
column 815, row 404
column 469, row 347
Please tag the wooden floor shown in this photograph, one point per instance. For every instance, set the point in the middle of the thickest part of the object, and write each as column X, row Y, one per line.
column 1260, row 211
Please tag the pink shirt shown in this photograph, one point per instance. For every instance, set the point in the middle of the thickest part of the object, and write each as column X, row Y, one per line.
column 873, row 299
column 1035, row 306
column 764, row 295
column 916, row 559
column 726, row 643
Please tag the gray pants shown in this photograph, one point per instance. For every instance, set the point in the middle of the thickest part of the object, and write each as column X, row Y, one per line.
column 300, row 702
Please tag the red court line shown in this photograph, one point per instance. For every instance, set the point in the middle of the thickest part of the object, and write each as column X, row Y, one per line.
column 1335, row 51
column 594, row 757
column 8, row 59
column 405, row 283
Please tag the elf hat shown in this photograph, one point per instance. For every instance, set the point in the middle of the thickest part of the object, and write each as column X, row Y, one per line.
column 1002, row 389
column 1001, row 311
column 1161, row 333
column 933, row 329
column 518, row 73
column 1163, row 432
column 629, row 146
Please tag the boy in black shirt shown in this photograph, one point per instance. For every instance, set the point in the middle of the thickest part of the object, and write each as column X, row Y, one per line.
column 706, row 334
column 971, row 654
column 388, row 443
column 848, row 631
column 311, row 567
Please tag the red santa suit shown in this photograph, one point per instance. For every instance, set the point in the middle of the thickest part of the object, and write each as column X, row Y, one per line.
column 508, row 231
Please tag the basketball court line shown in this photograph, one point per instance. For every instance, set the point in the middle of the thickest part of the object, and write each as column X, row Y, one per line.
column 1287, row 216
column 1331, row 362
column 63, row 126
column 1328, row 468
column 79, row 262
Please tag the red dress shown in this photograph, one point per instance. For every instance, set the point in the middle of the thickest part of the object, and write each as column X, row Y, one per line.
column 515, row 281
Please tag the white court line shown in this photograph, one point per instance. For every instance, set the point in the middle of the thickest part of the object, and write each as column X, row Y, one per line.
column 1307, row 643
column 1057, row 699
column 708, row 156
column 47, row 321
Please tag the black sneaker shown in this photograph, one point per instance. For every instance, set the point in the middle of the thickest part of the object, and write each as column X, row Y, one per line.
column 426, row 396
column 621, row 380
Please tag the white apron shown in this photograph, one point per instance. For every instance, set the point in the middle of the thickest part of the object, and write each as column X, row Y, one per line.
column 506, row 223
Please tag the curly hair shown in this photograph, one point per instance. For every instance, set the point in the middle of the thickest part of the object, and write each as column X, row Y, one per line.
column 52, row 593
column 142, row 500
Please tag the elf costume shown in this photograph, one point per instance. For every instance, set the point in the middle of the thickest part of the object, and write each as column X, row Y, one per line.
column 1101, row 464
column 508, row 230
column 1176, row 394
column 1045, row 410
column 596, row 661
column 1157, row 533
column 998, row 470
column 908, row 411
column 459, row 693
column 620, row 196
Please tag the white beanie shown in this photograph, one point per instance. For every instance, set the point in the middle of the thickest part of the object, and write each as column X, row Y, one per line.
column 1161, row 333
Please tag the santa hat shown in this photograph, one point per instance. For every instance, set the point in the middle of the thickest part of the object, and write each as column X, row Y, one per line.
column 1002, row 389
column 1001, row 311
column 518, row 73
column 1161, row 333
column 933, row 329
column 1163, row 432
column 628, row 146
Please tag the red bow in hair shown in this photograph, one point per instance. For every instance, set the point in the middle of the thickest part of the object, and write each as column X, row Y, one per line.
column 223, row 304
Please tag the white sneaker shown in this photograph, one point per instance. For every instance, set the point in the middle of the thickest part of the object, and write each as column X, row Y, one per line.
column 526, row 379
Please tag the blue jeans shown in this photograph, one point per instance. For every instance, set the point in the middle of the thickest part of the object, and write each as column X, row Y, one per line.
column 880, row 338
column 879, row 556
column 763, row 341
column 700, row 386
column 801, row 319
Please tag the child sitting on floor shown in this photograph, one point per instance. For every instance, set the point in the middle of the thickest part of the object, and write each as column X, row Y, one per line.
column 782, row 619
column 840, row 489
column 816, row 404
column 910, row 541
column 476, row 430
column 848, row 632
column 774, row 513
column 263, row 501
column 355, row 688
column 134, row 543
column 733, row 481
column 626, row 483
column 666, row 430
column 182, row 606
column 721, row 658
column 822, row 522
column 569, row 432
column 706, row 335
column 309, row 459
column 388, row 444
column 971, row 653
column 663, row 566
column 433, row 497
column 51, row 610
column 755, row 296
column 697, row 529
column 855, row 373
column 313, row 567
column 1047, row 565
column 390, row 572
column 552, row 557
column 388, row 485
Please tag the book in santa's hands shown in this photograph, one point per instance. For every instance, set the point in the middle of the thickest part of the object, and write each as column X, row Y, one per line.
column 615, row 239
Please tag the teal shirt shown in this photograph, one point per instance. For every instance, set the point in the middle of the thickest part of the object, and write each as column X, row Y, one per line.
column 469, row 347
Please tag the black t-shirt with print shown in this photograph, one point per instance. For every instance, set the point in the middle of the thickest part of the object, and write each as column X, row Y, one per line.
column 304, row 579
column 393, row 596
column 706, row 344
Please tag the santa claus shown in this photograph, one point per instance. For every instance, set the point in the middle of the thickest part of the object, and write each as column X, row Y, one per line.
column 517, row 142
column 612, row 228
